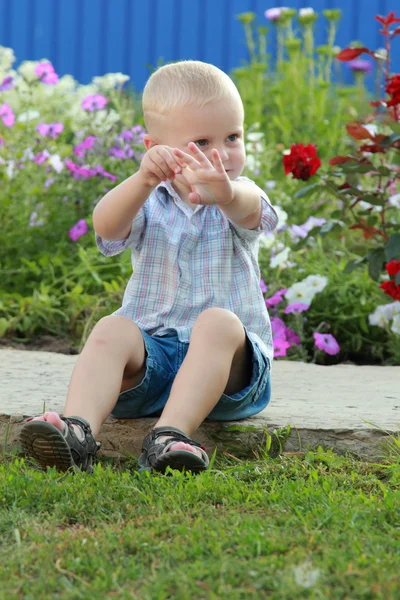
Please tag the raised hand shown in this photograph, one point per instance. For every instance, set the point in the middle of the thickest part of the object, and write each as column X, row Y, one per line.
column 208, row 181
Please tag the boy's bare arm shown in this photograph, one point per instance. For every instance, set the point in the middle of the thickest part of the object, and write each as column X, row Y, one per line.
column 245, row 207
column 114, row 214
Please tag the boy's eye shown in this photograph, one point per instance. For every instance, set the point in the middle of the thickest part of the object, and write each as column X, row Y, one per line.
column 233, row 137
column 201, row 143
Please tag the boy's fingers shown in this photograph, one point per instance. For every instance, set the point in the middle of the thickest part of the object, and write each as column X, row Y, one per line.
column 185, row 159
column 217, row 162
column 170, row 160
column 159, row 171
column 200, row 156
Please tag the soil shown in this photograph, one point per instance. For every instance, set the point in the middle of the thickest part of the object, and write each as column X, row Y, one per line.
column 45, row 343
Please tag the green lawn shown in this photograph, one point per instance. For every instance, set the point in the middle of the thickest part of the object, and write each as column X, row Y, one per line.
column 320, row 526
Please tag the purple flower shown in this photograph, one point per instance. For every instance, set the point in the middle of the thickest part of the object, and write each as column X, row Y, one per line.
column 1, row 142
column 41, row 157
column 123, row 153
column 313, row 222
column 296, row 307
column 49, row 182
column 326, row 342
column 79, row 229
column 126, row 135
column 7, row 115
column 94, row 102
column 276, row 298
column 263, row 286
column 360, row 65
column 45, row 72
column 280, row 347
column 7, row 84
column 52, row 130
column 86, row 144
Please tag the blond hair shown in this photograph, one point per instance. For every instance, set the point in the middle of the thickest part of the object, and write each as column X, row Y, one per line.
column 183, row 83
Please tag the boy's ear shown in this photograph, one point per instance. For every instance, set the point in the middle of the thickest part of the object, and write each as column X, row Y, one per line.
column 149, row 141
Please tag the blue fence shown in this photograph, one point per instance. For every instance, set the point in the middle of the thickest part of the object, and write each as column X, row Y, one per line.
column 92, row 37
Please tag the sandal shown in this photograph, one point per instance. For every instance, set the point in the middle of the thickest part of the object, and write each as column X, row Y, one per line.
column 157, row 456
column 48, row 445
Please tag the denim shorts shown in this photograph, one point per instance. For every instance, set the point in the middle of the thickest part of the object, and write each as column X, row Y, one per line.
column 164, row 356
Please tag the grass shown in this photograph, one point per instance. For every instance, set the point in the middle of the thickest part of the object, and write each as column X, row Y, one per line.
column 320, row 526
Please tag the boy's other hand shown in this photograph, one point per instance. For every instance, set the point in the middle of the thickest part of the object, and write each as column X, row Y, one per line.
column 159, row 164
column 208, row 181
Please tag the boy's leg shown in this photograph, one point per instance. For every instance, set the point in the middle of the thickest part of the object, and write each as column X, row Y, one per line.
column 219, row 360
column 112, row 360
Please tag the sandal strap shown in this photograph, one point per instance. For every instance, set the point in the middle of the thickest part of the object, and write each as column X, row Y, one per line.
column 151, row 450
column 83, row 451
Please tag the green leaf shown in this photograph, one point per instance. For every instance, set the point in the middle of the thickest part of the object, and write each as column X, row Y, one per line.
column 307, row 191
column 357, row 168
column 391, row 139
column 353, row 264
column 397, row 278
column 384, row 171
column 376, row 260
column 392, row 249
column 372, row 199
column 329, row 227
column 394, row 126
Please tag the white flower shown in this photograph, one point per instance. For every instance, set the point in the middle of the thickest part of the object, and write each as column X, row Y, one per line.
column 395, row 200
column 300, row 292
column 110, row 81
column 27, row 155
column 381, row 54
column 252, row 163
column 27, row 69
column 10, row 169
column 255, row 136
column 282, row 216
column 304, row 12
column 267, row 240
column 28, row 115
column 384, row 313
column 279, row 258
column 396, row 324
column 270, row 184
column 56, row 163
column 7, row 58
column 316, row 282
column 373, row 129
column 254, row 147
column 367, row 205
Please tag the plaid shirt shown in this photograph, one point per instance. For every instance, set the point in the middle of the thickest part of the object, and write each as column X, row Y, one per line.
column 185, row 261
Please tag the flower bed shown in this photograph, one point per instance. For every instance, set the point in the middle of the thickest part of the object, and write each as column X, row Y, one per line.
column 63, row 145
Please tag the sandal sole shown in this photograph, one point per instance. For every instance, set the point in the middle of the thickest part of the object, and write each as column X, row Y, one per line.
column 46, row 444
column 180, row 460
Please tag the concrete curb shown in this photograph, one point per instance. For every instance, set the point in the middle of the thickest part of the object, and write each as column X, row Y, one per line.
column 345, row 407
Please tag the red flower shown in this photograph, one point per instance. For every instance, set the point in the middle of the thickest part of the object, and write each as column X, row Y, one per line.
column 393, row 267
column 389, row 20
column 391, row 289
column 302, row 162
column 393, row 89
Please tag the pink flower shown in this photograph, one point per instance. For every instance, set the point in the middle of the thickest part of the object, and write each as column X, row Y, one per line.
column 292, row 337
column 79, row 172
column 296, row 307
column 326, row 342
column 263, row 286
column 276, row 298
column 100, row 171
column 46, row 73
column 273, row 14
column 79, row 229
column 280, row 347
column 52, row 130
column 1, row 142
column 7, row 115
column 86, row 144
column 278, row 328
column 94, row 102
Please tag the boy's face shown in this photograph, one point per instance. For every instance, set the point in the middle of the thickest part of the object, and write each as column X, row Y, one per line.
column 218, row 125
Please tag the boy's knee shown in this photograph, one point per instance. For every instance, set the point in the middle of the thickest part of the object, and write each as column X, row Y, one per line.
column 114, row 329
column 220, row 322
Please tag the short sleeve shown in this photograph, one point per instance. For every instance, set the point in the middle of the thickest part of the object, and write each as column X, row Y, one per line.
column 133, row 241
column 269, row 217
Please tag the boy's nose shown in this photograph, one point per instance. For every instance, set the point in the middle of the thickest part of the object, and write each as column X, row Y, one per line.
column 223, row 153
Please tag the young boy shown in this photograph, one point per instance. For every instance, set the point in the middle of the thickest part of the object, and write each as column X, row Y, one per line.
column 192, row 339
